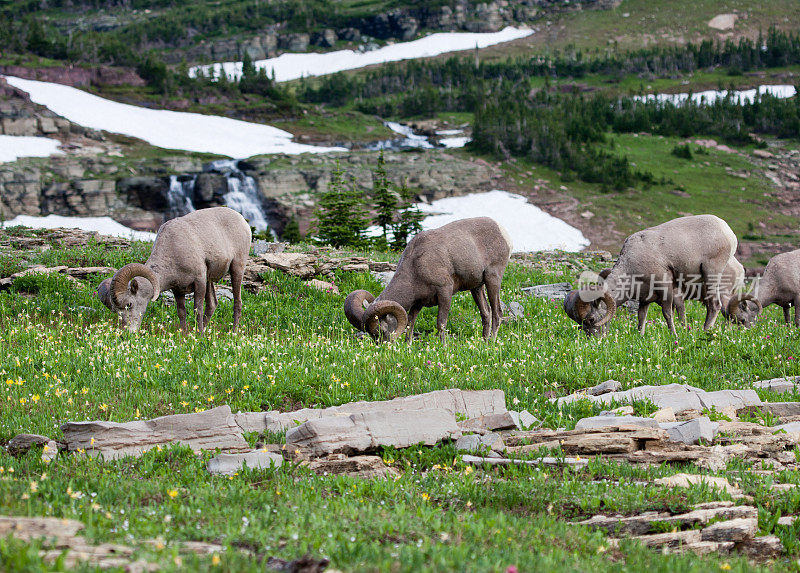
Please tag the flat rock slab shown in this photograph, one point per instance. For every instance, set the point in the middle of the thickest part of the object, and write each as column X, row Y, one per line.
column 476, row 443
column 691, row 431
column 597, row 422
column 779, row 385
column 467, row 403
column 366, row 431
column 679, row 397
column 354, row 466
column 688, row 480
column 605, row 388
column 545, row 461
column 670, row 540
column 735, row 530
column 761, row 547
column 555, row 291
column 229, row 464
column 647, row 522
column 207, row 430
column 504, row 421
column 21, row 443
column 29, row 528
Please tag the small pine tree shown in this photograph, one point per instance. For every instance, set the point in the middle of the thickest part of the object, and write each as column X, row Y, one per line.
column 409, row 219
column 291, row 232
column 383, row 198
column 341, row 216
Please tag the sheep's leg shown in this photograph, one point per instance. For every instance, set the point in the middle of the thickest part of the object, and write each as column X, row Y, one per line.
column 711, row 297
column 211, row 302
column 666, row 310
column 237, row 275
column 787, row 313
column 493, row 290
column 796, row 304
column 199, row 297
column 412, row 317
column 641, row 313
column 680, row 308
column 444, row 299
column 180, row 306
column 483, row 308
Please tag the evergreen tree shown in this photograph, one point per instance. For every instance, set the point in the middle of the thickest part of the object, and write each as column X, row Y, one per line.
column 384, row 199
column 341, row 216
column 291, row 232
column 409, row 221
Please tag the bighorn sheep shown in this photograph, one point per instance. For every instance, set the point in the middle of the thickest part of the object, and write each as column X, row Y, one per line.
column 685, row 253
column 732, row 281
column 190, row 253
column 780, row 284
column 436, row 264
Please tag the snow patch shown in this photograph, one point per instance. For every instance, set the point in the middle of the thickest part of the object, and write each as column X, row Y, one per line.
column 453, row 142
column 710, row 96
column 164, row 128
column 12, row 147
column 293, row 66
column 103, row 225
column 531, row 229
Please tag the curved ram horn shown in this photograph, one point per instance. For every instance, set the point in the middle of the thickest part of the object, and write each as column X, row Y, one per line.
column 354, row 307
column 378, row 310
column 120, row 280
column 611, row 307
column 735, row 301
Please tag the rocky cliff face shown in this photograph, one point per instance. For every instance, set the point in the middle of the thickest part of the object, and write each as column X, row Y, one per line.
column 402, row 24
column 138, row 194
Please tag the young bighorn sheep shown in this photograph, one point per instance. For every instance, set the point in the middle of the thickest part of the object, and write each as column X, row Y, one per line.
column 688, row 255
column 190, row 254
column 436, row 264
column 780, row 284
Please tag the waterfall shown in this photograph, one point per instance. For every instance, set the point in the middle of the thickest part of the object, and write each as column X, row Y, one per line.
column 242, row 193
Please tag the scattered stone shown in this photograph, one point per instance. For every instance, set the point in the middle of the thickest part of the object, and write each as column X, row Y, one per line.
column 736, row 530
column 650, row 521
column 780, row 409
column 366, row 431
column 670, row 540
column 763, row 154
column 604, row 388
column 762, row 547
column 83, row 273
column 21, row 443
column 511, row 311
column 595, row 422
column 207, row 430
column 323, row 286
column 262, row 247
column 555, row 291
column 688, row 480
column 354, row 466
column 621, row 411
column 790, row 428
column 527, row 420
column 705, row 547
column 481, row 424
column 779, row 385
column 722, row 22
column 692, row 431
column 664, row 415
column 476, row 443
column 305, row 564
column 229, row 464
column 467, row 403
column 383, row 277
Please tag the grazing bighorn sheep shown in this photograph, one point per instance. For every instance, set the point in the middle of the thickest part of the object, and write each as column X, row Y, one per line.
column 732, row 281
column 190, row 254
column 462, row 255
column 685, row 253
column 780, row 284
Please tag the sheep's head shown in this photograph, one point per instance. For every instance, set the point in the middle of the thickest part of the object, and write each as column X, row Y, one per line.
column 383, row 320
column 591, row 308
column 128, row 292
column 743, row 309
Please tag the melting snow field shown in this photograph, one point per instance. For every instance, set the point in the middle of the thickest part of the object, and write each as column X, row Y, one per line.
column 12, row 147
column 293, row 66
column 710, row 96
column 164, row 128
column 531, row 229
column 103, row 225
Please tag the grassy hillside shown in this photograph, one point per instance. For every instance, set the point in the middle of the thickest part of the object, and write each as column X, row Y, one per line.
column 62, row 359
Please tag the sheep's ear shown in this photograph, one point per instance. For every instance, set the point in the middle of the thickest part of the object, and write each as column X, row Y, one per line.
column 134, row 287
column 104, row 292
